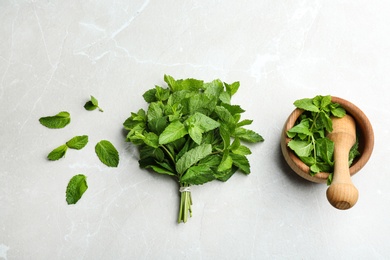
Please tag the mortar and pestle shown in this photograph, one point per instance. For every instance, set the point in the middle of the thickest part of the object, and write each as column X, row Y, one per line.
column 341, row 194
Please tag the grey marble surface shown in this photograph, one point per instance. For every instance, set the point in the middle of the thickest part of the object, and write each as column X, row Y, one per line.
column 54, row 54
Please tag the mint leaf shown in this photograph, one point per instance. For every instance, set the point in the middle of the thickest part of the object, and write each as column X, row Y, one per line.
column 57, row 153
column 107, row 153
column 76, row 188
column 198, row 175
column 193, row 156
column 57, row 121
column 306, row 104
column 241, row 162
column 248, row 135
column 78, row 142
column 301, row 148
column 172, row 132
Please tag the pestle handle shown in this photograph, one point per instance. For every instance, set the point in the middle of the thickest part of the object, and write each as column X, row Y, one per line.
column 342, row 194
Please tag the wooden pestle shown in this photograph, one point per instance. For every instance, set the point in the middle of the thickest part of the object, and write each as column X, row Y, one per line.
column 342, row 194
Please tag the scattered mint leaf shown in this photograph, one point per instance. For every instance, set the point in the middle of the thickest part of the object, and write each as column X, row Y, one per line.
column 78, row 142
column 107, row 153
column 57, row 121
column 76, row 188
column 57, row 153
column 92, row 104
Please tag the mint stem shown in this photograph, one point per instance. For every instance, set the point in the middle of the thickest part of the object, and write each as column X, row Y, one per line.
column 185, row 205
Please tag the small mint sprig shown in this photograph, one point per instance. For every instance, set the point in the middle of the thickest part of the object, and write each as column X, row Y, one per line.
column 93, row 104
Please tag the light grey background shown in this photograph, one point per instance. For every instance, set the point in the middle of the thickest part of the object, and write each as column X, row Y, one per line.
column 54, row 54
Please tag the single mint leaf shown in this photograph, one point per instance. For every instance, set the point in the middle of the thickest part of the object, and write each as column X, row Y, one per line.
column 193, row 156
column 57, row 153
column 301, row 148
column 161, row 170
column 202, row 121
column 94, row 101
column 107, row 153
column 338, row 111
column 197, row 175
column 248, row 135
column 226, row 162
column 172, row 132
column 150, row 95
column 241, row 162
column 195, row 133
column 302, row 128
column 60, row 120
column 78, row 142
column 76, row 188
column 306, row 104
column 90, row 106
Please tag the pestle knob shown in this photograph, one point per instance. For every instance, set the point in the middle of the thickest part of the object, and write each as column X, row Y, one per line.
column 342, row 194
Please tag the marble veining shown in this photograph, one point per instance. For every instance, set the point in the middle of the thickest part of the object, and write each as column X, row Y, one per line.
column 54, row 55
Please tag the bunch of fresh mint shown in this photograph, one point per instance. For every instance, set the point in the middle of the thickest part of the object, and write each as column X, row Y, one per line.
column 192, row 133
column 105, row 151
column 308, row 136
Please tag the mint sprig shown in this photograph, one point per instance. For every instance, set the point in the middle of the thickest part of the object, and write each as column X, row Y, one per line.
column 93, row 104
column 192, row 133
column 77, row 142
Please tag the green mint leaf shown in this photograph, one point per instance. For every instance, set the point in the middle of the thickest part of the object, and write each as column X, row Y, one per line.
column 57, row 153
column 325, row 150
column 172, row 132
column 306, row 104
column 302, row 128
column 231, row 89
column 202, row 121
column 90, row 106
column 155, row 111
column 226, row 162
column 150, row 95
column 57, row 121
column 242, row 150
column 76, row 188
column 200, row 103
column 107, row 153
column 301, row 148
column 193, row 156
column 241, row 162
column 248, row 135
column 244, row 122
column 338, row 111
column 171, row 83
column 151, row 139
column 162, row 170
column 227, row 118
column 78, row 142
column 233, row 109
column 195, row 133
column 198, row 175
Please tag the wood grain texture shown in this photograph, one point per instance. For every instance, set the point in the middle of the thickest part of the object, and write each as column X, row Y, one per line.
column 342, row 194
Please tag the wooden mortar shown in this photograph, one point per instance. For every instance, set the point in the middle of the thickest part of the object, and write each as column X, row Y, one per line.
column 365, row 136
